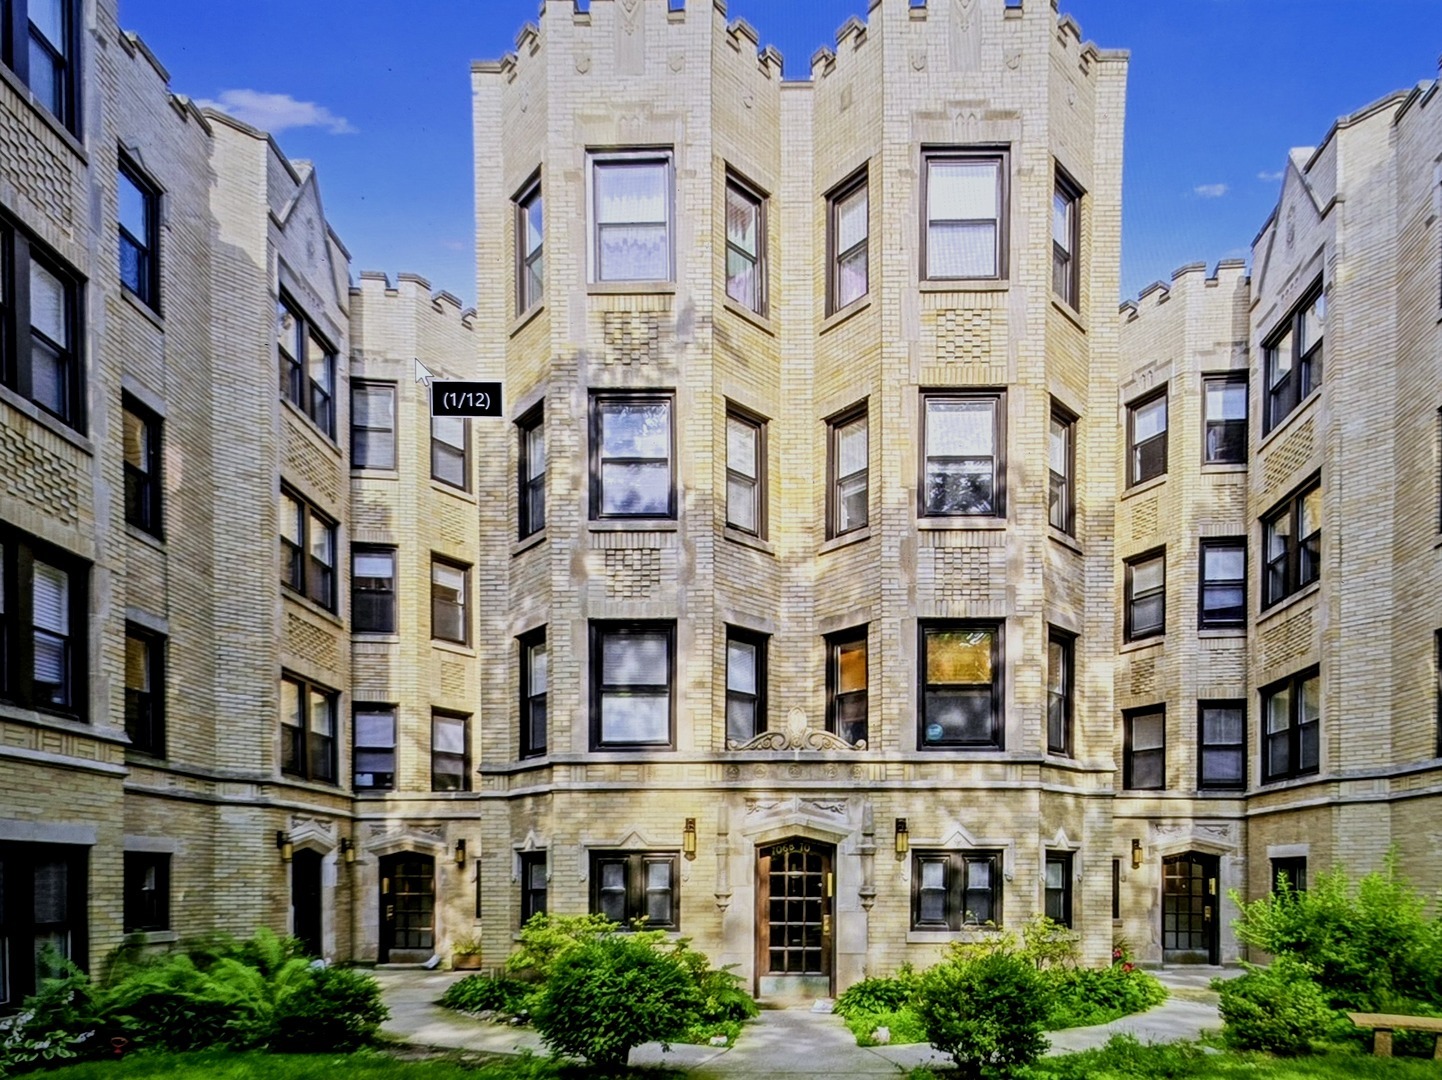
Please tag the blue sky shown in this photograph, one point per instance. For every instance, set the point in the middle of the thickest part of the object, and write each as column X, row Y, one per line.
column 377, row 94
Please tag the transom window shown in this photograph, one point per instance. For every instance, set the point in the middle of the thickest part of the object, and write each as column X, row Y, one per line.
column 307, row 550
column 1224, row 582
column 145, row 690
column 848, row 461
column 40, row 327
column 535, row 684
column 745, row 246
column 139, row 226
column 745, row 472
column 450, row 587
column 530, row 251
column 1144, row 758
column 1147, row 438
column 632, row 675
column 631, row 202
column 1222, row 744
column 631, row 885
column 44, row 607
column 1146, row 596
column 953, row 889
column 1292, row 542
column 847, row 239
column 966, row 196
column 450, row 451
column 1060, row 675
column 1066, row 241
column 140, row 430
column 308, row 728
column 375, row 748
column 1292, row 713
column 1294, row 356
column 450, row 752
column 964, row 471
column 846, row 685
column 531, row 432
column 373, row 425
column 1226, row 419
column 307, row 365
column 961, row 685
column 373, row 590
column 1061, row 468
column 631, row 472
column 745, row 684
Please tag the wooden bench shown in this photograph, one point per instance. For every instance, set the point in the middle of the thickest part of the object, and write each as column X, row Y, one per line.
column 1383, row 1024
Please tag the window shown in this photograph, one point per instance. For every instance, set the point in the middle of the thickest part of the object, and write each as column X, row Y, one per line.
column 43, row 903
column 373, row 590
column 533, row 885
column 40, row 332
column 307, row 365
column 745, row 470
column 965, row 196
column 1147, row 438
column 1292, row 713
column 1057, row 887
column 1226, row 419
column 1437, row 677
column 963, row 470
column 846, row 685
column 307, row 550
column 1290, row 874
column 631, row 203
column 745, row 245
column 450, row 585
column 847, row 465
column 745, row 684
column 1146, row 611
column 1144, row 758
column 1061, row 465
column 631, row 468
column 531, row 503
column 961, row 685
column 632, row 672
column 139, row 225
column 450, row 752
column 44, row 606
column 1224, row 582
column 145, row 690
column 147, row 891
column 372, row 425
column 1116, row 889
column 847, row 241
column 140, row 430
column 952, row 889
column 1294, row 357
column 1060, row 676
column 375, row 747
column 530, row 245
column 629, row 885
column 535, row 681
column 307, row 728
column 450, row 451
column 39, row 46
column 1222, row 745
column 1066, row 241
column 1292, row 540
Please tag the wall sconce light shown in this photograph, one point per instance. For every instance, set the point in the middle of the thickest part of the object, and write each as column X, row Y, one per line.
column 688, row 838
column 347, row 849
column 284, row 846
column 903, row 837
column 1136, row 854
column 460, row 853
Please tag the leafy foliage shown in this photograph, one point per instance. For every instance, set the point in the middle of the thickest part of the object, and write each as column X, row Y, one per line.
column 482, row 993
column 57, row 1023
column 880, row 993
column 1278, row 1009
column 546, row 938
column 1081, row 997
column 339, row 1010
column 984, row 1009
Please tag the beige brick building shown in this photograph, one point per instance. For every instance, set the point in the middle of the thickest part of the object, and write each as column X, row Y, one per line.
column 844, row 574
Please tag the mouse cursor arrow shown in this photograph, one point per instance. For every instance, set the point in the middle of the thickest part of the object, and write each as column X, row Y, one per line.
column 423, row 374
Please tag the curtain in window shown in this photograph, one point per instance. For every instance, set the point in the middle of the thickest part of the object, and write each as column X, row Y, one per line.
column 962, row 213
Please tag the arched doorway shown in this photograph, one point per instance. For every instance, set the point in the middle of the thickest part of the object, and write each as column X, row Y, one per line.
column 305, row 900
column 1190, row 909
column 408, row 908
column 795, row 884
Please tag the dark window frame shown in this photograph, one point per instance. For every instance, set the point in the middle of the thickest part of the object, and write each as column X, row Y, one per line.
column 1293, row 733
column 1129, row 754
column 635, row 863
column 1296, row 572
column 1206, row 621
column 146, row 288
column 1063, row 895
column 998, row 456
column 1001, row 156
column 1066, row 744
column 759, row 487
column 19, row 926
column 1067, row 420
column 757, row 700
column 141, row 913
column 754, row 195
column 533, row 899
column 599, row 399
column 1066, row 263
column 529, row 746
column 145, row 719
column 19, row 552
column 1295, row 867
column 1129, row 632
column 443, row 451
column 387, row 602
column 858, row 180
column 836, row 699
column 1116, row 890
column 317, row 586
column 834, row 502
column 442, row 716
column 1213, row 455
column 356, row 386
column 1437, row 681
column 529, row 194
column 599, row 629
column 995, row 627
column 297, row 387
column 1285, row 394
column 316, row 757
column 530, row 490
column 1135, row 468
column 596, row 162
column 145, row 488
column 464, row 604
column 67, row 89
column 20, row 340
column 1204, row 783
column 375, row 708
column 955, row 880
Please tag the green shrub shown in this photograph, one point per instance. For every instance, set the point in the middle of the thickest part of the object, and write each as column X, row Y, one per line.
column 1081, row 997
column 1124, row 1056
column 481, row 993
column 336, row 1010
column 985, row 1010
column 1278, row 1009
column 878, row 994
column 608, row 995
column 546, row 938
column 903, row 1026
column 58, row 1023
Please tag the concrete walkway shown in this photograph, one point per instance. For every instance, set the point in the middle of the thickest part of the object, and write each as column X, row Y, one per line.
column 781, row 1042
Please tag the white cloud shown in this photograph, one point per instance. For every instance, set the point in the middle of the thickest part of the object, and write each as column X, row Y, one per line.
column 277, row 112
column 1210, row 191
column 1270, row 177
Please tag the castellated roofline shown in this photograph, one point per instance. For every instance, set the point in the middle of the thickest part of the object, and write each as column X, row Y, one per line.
column 134, row 45
column 376, row 284
column 1228, row 272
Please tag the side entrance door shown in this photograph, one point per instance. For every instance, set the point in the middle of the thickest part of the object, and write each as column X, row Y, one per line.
column 1190, row 910
column 408, row 907
column 794, row 890
column 305, row 900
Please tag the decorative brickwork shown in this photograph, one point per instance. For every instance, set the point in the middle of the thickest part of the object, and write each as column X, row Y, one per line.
column 1292, row 453
column 43, row 174
column 632, row 337
column 634, row 574
column 33, row 474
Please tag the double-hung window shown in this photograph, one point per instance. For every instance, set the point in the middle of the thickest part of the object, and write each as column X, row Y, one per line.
column 1289, row 874
column 1222, row 745
column 450, row 752
column 1061, row 469
column 140, row 430
column 1292, row 713
column 373, row 590
column 1224, row 582
column 307, row 550
column 147, row 891
column 450, row 451
column 1226, row 419
column 535, row 683
column 1147, row 438
column 43, row 617
column 632, row 679
column 1066, row 241
column 532, row 865
column 630, row 885
column 40, row 332
column 745, row 684
column 846, row 685
column 745, row 245
column 1146, row 595
column 964, row 466
column 38, row 42
column 631, row 209
column 1060, row 692
column 632, row 469
column 966, row 201
column 375, row 748
column 1144, row 756
column 372, row 425
column 307, row 365
column 1292, row 541
column 139, row 226
column 145, row 690
column 848, row 232
column 745, row 472
column 530, row 246
column 307, row 729
column 1056, row 887
column 848, row 457
column 531, row 477
column 953, row 889
column 961, row 700
column 1293, row 356
column 450, row 586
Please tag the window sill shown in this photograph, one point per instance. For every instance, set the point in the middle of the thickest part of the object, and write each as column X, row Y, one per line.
column 536, row 539
column 20, row 714
column 362, row 472
column 303, row 601
column 1224, row 467
column 633, row 525
column 135, row 532
column 311, row 428
column 745, row 539
column 520, row 322
column 836, row 318
column 761, row 322
column 631, row 288
column 945, row 937
column 608, row 755
column 1071, row 314
column 846, row 539
column 453, row 647
column 1145, row 643
column 151, row 937
column 43, row 418
column 1236, row 633
column 440, row 487
column 1287, row 602
column 1145, row 486
column 319, row 787
column 1304, row 407
column 963, row 285
column 960, row 523
column 49, row 118
column 370, row 638
column 146, row 311
column 1069, row 542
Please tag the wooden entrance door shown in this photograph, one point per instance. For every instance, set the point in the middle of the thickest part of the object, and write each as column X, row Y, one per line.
column 408, row 908
column 794, row 889
column 1190, row 909
column 305, row 901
